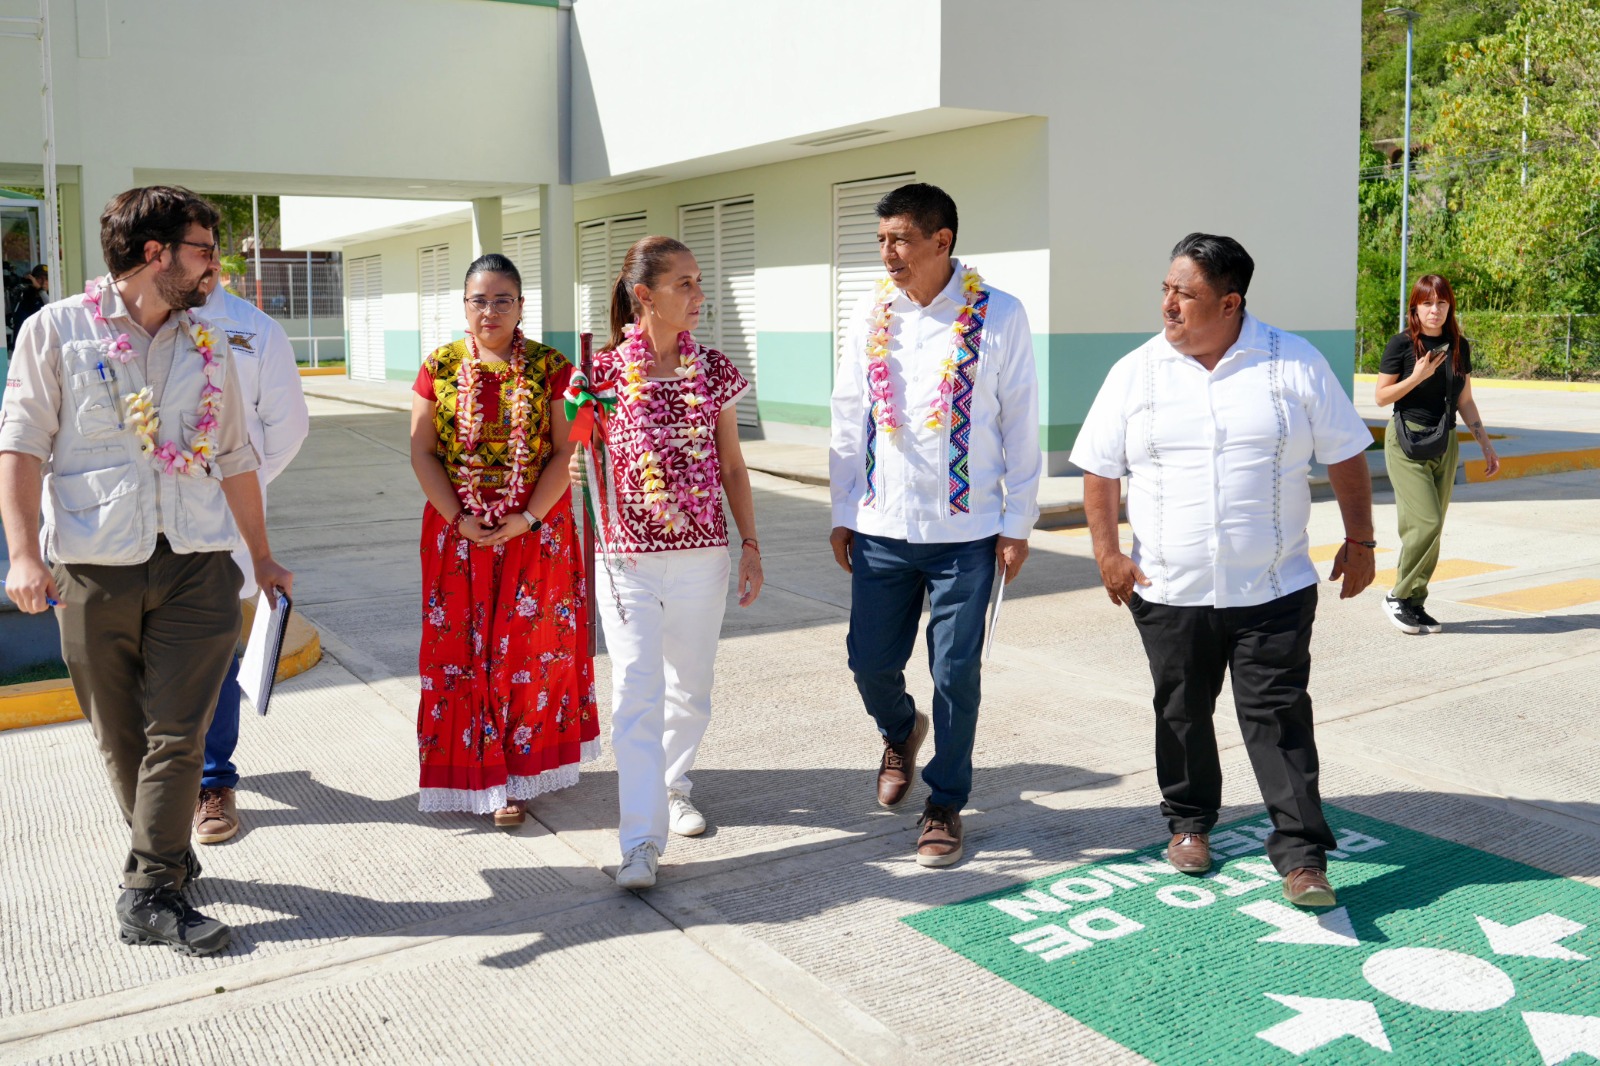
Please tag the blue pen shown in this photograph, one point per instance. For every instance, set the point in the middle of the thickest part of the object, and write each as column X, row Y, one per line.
column 111, row 395
column 47, row 599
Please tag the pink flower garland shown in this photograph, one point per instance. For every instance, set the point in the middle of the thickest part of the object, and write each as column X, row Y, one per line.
column 880, row 388
column 688, row 491
column 469, row 430
column 142, row 411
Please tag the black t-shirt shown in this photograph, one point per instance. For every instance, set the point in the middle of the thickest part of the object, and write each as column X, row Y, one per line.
column 1424, row 404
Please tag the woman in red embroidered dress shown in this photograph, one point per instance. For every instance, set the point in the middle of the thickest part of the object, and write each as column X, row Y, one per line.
column 507, row 709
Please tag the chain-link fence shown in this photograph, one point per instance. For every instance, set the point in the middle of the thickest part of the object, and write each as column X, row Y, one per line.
column 306, row 296
column 1547, row 347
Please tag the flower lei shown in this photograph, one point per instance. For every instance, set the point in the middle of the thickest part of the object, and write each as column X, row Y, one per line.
column 879, row 386
column 143, row 413
column 690, row 492
column 469, row 430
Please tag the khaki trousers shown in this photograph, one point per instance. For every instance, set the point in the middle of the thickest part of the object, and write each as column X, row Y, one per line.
column 148, row 647
column 1422, row 490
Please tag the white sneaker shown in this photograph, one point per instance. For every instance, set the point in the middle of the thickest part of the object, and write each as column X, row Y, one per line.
column 683, row 816
column 638, row 869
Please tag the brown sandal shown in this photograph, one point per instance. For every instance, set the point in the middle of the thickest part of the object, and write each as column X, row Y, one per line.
column 511, row 815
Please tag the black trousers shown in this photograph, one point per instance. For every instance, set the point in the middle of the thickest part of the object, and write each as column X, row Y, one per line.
column 1267, row 649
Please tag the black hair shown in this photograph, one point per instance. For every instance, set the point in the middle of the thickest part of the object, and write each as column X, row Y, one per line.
column 929, row 206
column 161, row 213
column 646, row 261
column 494, row 263
column 40, row 271
column 1224, row 262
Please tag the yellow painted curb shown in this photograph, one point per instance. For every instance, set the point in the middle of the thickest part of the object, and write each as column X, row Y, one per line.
column 1535, row 465
column 321, row 371
column 49, row 702
column 37, row 703
column 1518, row 383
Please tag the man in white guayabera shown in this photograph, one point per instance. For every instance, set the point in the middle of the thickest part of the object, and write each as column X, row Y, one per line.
column 1215, row 422
column 935, row 470
column 130, row 402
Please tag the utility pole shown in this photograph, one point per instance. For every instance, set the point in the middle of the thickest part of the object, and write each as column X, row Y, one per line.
column 1405, row 182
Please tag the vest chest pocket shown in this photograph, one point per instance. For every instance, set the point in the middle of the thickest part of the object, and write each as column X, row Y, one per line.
column 98, row 407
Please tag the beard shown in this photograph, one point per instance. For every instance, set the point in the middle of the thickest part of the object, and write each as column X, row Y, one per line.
column 182, row 293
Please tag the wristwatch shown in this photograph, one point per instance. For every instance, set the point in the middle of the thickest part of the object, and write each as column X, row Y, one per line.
column 533, row 523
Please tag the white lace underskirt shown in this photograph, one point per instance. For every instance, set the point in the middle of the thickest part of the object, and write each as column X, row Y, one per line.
column 489, row 800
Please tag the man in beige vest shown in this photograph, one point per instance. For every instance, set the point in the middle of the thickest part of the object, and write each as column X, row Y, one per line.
column 122, row 417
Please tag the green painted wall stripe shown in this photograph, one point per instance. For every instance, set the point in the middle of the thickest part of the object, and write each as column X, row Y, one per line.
column 795, row 414
column 797, row 366
column 531, row 3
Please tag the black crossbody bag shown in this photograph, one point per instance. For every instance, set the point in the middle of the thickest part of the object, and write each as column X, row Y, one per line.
column 1430, row 443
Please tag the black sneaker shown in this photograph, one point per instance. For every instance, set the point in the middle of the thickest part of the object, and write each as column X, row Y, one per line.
column 1427, row 621
column 1401, row 614
column 163, row 916
column 191, row 866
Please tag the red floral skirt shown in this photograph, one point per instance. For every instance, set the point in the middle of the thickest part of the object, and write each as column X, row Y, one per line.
column 508, row 703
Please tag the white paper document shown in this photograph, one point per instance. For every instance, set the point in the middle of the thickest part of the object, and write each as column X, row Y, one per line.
column 994, row 607
column 258, row 669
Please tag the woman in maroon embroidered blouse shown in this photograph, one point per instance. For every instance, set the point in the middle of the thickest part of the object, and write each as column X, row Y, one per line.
column 673, row 441
column 508, row 706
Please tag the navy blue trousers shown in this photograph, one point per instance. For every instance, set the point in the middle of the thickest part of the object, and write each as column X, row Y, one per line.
column 223, row 736
column 886, row 592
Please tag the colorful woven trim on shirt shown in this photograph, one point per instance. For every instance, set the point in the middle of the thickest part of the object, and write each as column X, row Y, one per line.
column 872, row 462
column 961, row 408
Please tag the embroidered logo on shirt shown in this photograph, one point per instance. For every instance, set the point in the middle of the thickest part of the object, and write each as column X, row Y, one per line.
column 241, row 341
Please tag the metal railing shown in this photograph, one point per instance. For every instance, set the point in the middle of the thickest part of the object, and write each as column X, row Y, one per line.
column 307, row 298
column 1533, row 347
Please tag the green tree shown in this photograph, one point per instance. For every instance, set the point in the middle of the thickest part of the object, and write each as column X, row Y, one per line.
column 236, row 224
column 1537, row 237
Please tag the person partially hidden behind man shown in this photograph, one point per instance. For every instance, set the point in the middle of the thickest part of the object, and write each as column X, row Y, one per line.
column 1215, row 422
column 132, row 404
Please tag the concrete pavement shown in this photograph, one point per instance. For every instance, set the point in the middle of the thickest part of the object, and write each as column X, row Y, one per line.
column 367, row 932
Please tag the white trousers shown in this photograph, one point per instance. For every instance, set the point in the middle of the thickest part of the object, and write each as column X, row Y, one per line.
column 662, row 661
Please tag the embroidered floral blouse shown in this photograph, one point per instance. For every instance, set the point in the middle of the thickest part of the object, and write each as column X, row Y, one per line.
column 546, row 372
column 632, row 530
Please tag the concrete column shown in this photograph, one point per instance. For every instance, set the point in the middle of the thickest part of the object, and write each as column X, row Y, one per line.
column 558, row 267
column 488, row 228
column 101, row 182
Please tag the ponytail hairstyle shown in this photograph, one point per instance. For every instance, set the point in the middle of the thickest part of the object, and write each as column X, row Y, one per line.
column 644, row 264
column 1434, row 287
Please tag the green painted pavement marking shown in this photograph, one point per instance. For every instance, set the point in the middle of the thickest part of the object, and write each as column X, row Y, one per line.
column 1437, row 953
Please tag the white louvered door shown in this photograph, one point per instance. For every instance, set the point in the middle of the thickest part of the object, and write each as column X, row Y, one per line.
column 435, row 310
column 722, row 236
column 856, row 266
column 364, row 305
column 523, row 250
column 602, row 244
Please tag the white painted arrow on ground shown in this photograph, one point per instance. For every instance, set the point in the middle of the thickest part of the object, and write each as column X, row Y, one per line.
column 1535, row 938
column 1322, row 1021
column 1301, row 927
column 1561, row 1036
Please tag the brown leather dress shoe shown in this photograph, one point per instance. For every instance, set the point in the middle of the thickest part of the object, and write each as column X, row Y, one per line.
column 1190, row 853
column 940, row 842
column 899, row 763
column 1308, row 887
column 216, row 816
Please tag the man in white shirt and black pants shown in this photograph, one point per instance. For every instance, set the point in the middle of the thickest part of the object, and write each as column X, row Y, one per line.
column 1215, row 422
column 934, row 468
column 274, row 408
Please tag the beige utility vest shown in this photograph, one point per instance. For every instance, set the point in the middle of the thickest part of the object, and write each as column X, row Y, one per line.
column 105, row 501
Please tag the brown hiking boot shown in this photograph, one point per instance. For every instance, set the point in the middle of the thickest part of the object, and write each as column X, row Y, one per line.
column 1308, row 887
column 1190, row 853
column 940, row 842
column 899, row 763
column 215, row 817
